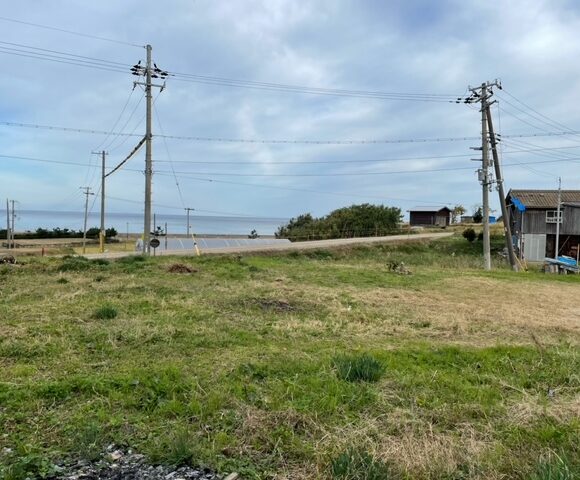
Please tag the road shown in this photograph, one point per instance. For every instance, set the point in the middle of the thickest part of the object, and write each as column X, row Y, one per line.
column 311, row 245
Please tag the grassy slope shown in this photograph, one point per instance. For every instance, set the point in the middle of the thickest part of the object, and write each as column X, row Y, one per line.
column 233, row 366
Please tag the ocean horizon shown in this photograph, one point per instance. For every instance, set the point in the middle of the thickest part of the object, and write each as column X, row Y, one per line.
column 123, row 222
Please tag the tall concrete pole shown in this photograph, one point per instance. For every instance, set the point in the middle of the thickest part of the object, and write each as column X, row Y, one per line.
column 12, row 226
column 557, row 248
column 148, row 160
column 102, row 232
column 87, row 192
column 499, row 180
column 187, row 209
column 8, row 223
column 485, row 182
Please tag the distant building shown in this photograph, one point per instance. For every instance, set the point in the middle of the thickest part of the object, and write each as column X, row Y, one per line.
column 467, row 219
column 534, row 216
column 430, row 216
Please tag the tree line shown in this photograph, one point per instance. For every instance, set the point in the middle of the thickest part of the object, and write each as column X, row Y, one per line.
column 60, row 233
column 364, row 220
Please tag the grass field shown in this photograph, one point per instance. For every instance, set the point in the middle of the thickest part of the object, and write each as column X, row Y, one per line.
column 315, row 365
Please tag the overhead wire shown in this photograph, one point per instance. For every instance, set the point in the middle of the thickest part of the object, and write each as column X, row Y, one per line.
column 283, row 141
column 71, row 32
column 169, row 157
column 117, row 120
column 222, row 81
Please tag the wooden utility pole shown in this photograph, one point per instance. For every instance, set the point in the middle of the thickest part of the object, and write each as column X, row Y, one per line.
column 86, row 192
column 499, row 181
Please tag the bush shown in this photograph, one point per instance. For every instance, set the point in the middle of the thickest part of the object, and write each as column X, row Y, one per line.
column 480, row 236
column 469, row 234
column 358, row 368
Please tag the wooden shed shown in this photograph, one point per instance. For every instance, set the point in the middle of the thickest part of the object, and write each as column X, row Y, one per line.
column 430, row 216
column 534, row 220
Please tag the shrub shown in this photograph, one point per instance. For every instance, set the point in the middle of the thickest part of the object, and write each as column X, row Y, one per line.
column 358, row 368
column 105, row 312
column 469, row 234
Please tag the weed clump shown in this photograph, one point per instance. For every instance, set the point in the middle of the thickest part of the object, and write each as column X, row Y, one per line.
column 359, row 465
column 62, row 280
column 105, row 312
column 554, row 469
column 72, row 263
column 358, row 368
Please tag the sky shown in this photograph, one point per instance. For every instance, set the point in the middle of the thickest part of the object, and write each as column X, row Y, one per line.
column 410, row 47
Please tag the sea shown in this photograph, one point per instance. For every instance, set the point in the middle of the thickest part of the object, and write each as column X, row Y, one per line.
column 132, row 223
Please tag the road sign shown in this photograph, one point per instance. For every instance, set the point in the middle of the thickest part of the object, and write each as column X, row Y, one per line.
column 154, row 243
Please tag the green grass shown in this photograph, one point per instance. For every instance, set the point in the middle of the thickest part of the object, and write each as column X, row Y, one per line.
column 358, row 368
column 321, row 364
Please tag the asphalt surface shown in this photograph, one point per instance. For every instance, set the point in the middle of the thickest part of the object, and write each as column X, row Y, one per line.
column 311, row 245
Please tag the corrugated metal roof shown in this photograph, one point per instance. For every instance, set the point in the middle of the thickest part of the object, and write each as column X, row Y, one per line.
column 428, row 209
column 544, row 198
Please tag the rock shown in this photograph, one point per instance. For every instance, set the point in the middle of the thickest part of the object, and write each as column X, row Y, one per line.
column 117, row 464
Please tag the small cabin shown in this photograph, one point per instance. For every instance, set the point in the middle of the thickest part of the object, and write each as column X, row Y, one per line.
column 429, row 216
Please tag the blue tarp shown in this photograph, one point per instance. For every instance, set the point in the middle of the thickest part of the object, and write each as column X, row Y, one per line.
column 519, row 205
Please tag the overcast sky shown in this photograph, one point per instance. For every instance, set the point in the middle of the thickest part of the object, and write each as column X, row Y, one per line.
column 422, row 47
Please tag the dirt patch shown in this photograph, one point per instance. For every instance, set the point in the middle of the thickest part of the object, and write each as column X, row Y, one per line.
column 180, row 268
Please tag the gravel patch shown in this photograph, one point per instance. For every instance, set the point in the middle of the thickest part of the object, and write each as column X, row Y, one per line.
column 116, row 464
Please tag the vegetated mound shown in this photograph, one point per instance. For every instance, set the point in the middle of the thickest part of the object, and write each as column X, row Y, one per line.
column 180, row 268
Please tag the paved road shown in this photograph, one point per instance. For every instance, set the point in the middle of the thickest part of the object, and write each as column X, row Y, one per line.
column 290, row 246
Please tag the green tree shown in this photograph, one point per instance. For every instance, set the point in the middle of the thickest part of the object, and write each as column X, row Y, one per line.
column 355, row 221
column 457, row 211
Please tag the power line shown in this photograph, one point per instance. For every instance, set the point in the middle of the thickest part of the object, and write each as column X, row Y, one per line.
column 70, row 32
column 550, row 120
column 46, row 51
column 305, row 190
column 63, row 60
column 116, row 121
column 169, row 157
column 229, row 82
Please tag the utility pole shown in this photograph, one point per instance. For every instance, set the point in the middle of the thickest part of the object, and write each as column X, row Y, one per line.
column 8, row 224
column 103, row 176
column 558, row 217
column 187, row 209
column 148, row 151
column 149, row 71
column 481, row 95
column 485, row 179
column 12, row 227
column 499, row 182
column 86, row 192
